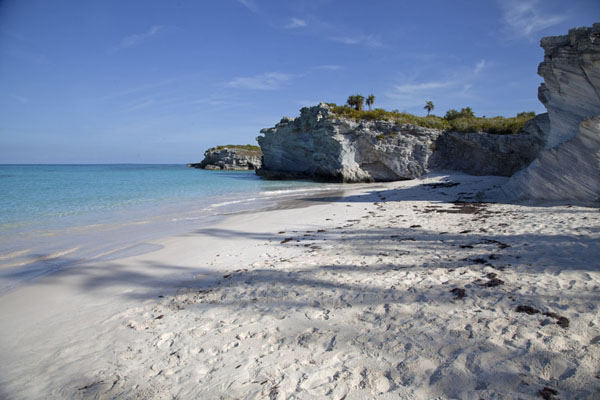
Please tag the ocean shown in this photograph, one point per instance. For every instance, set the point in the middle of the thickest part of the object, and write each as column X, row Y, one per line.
column 53, row 216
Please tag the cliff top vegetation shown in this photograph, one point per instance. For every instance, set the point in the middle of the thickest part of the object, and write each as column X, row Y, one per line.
column 246, row 147
column 457, row 121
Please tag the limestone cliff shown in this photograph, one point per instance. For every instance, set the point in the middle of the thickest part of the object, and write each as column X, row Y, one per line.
column 230, row 158
column 571, row 88
column 481, row 153
column 569, row 168
column 321, row 145
column 570, row 171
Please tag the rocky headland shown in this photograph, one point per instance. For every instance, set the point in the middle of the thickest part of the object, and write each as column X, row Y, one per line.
column 231, row 157
column 569, row 166
column 555, row 156
column 323, row 145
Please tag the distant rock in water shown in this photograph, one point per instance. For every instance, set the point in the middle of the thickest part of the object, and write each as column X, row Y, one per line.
column 569, row 168
column 231, row 157
column 324, row 146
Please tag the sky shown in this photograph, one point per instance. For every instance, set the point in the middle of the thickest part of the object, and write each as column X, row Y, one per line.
column 144, row 81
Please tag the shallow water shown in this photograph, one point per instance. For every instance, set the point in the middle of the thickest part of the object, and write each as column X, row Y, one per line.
column 52, row 216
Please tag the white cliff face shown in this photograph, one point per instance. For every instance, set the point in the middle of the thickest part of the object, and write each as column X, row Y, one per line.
column 569, row 168
column 482, row 153
column 322, row 146
column 570, row 171
column 571, row 88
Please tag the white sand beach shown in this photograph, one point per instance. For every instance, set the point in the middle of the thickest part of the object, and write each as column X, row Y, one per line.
column 408, row 290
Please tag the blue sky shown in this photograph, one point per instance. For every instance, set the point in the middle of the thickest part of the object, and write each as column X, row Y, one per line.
column 160, row 81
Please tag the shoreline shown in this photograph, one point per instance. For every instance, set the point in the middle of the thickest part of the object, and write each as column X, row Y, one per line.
column 394, row 290
column 37, row 253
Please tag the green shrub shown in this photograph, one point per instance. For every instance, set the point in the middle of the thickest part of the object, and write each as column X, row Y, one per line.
column 459, row 121
column 498, row 125
column 526, row 114
column 381, row 114
column 452, row 114
column 248, row 147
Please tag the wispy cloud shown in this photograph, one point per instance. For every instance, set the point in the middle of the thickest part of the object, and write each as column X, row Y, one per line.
column 143, row 88
column 249, row 4
column 266, row 81
column 329, row 67
column 23, row 48
column 524, row 18
column 334, row 32
column 31, row 56
column 479, row 66
column 20, row 99
column 180, row 99
column 368, row 40
column 137, row 38
column 140, row 105
column 457, row 84
column 296, row 23
column 15, row 36
column 423, row 87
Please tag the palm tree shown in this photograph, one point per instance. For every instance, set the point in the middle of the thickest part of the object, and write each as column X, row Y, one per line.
column 356, row 101
column 429, row 107
column 370, row 101
column 467, row 112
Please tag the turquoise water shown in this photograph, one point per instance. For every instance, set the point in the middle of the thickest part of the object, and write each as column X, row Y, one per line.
column 57, row 215
column 36, row 193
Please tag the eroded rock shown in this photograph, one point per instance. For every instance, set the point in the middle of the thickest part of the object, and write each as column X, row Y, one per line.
column 569, row 168
column 230, row 158
column 480, row 153
column 571, row 88
column 570, row 171
column 323, row 146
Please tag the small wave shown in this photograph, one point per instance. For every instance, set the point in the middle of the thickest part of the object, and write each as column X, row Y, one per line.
column 126, row 251
column 47, row 257
column 294, row 191
column 14, row 254
column 227, row 203
column 188, row 219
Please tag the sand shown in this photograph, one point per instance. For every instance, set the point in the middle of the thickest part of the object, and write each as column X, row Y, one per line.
column 400, row 290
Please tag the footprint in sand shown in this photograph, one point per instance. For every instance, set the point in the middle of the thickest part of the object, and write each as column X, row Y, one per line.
column 307, row 337
column 165, row 340
column 230, row 346
column 382, row 383
column 245, row 335
column 317, row 314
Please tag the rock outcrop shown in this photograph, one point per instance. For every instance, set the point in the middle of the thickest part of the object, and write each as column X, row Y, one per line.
column 323, row 146
column 565, row 142
column 569, row 168
column 230, row 158
column 571, row 88
column 490, row 154
column 570, row 171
